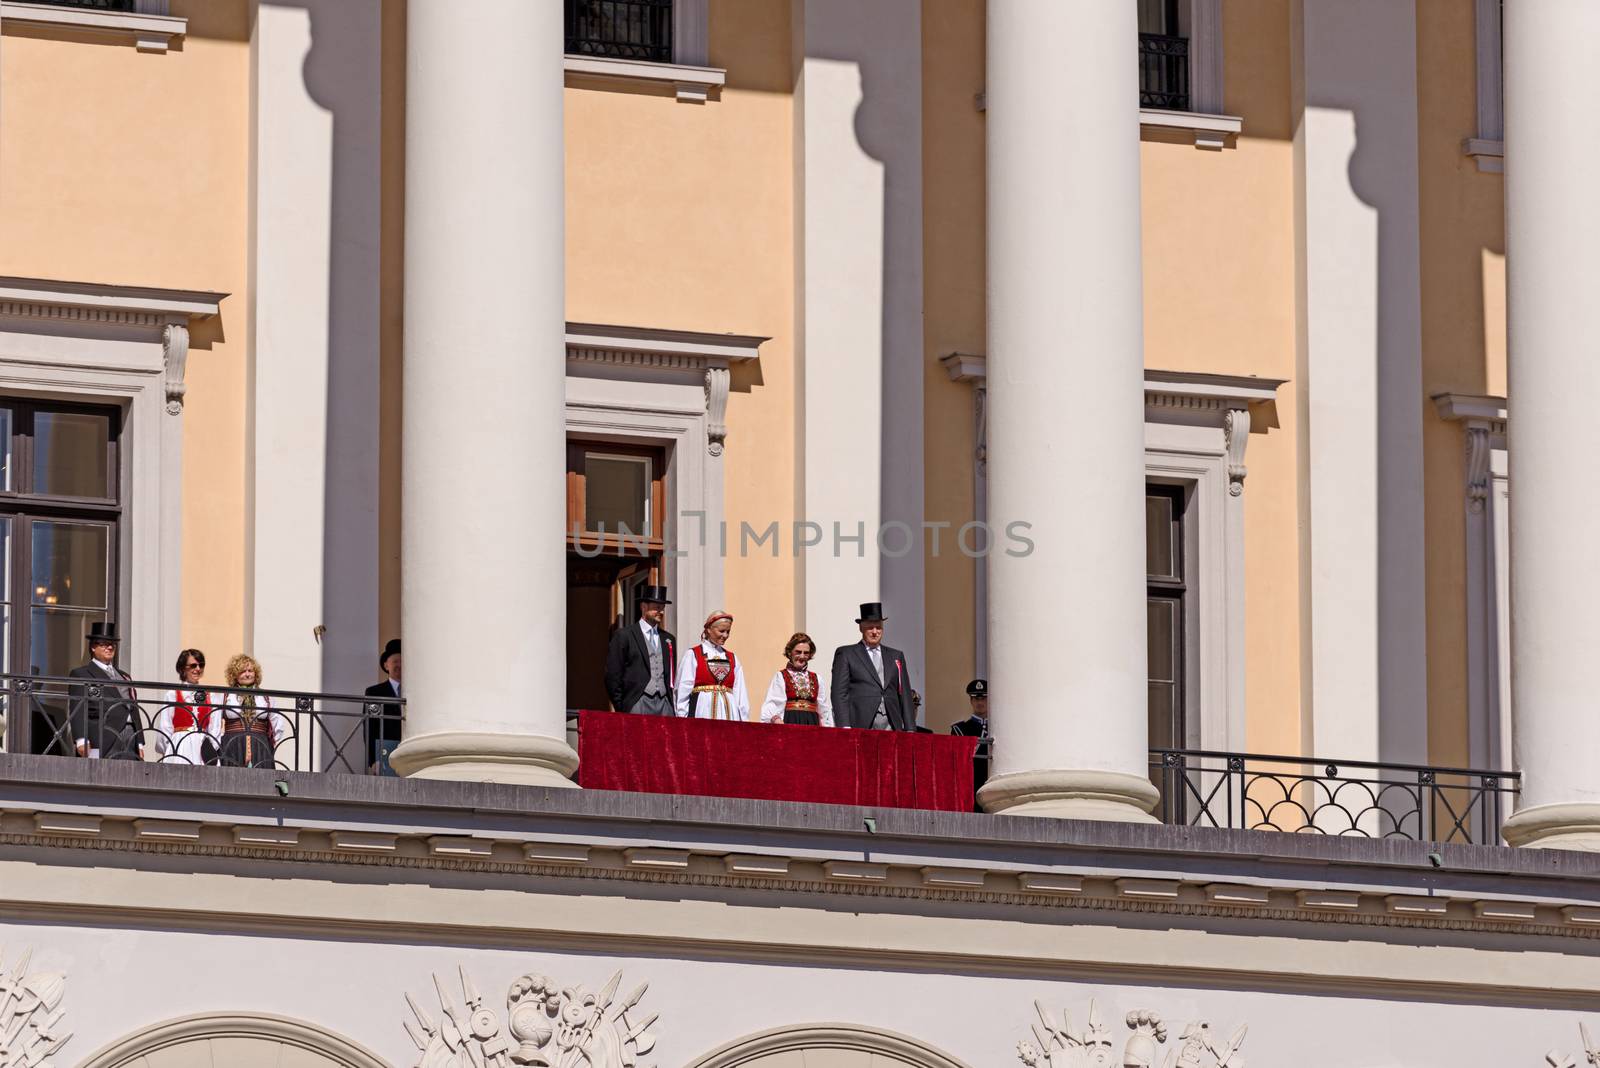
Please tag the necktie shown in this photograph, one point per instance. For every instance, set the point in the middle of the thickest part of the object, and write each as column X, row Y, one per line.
column 655, row 643
column 877, row 662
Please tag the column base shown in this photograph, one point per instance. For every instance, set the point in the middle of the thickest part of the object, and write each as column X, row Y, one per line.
column 1111, row 796
column 1565, row 826
column 470, row 756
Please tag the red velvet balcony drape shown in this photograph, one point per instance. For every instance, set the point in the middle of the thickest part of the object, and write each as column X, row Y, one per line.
column 822, row 765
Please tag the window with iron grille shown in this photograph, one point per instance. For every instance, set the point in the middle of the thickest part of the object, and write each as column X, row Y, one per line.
column 1163, row 57
column 620, row 29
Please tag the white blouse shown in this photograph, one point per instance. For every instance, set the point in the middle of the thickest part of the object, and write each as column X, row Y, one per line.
column 276, row 722
column 186, row 746
column 778, row 696
column 733, row 706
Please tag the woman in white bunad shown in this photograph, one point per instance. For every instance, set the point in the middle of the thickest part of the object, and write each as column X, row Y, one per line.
column 251, row 730
column 710, row 678
column 189, row 726
column 796, row 695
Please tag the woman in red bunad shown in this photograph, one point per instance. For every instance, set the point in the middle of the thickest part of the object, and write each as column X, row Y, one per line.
column 796, row 695
column 710, row 680
column 189, row 726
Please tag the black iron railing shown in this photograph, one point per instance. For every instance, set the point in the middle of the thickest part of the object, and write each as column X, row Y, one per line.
column 284, row 729
column 620, row 29
column 97, row 5
column 1346, row 797
column 1163, row 72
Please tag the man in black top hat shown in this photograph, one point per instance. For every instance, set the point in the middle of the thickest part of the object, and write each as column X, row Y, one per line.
column 105, row 718
column 639, row 663
column 977, row 726
column 381, row 717
column 871, row 682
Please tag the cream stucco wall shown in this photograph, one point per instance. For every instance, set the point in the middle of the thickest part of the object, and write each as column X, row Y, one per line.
column 1463, row 338
column 679, row 216
column 118, row 166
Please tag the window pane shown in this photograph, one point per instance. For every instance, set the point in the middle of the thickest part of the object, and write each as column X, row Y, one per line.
column 70, row 565
column 69, row 454
column 7, row 424
column 5, row 561
column 1163, row 700
column 56, row 639
column 1160, row 538
column 1161, row 631
column 617, row 493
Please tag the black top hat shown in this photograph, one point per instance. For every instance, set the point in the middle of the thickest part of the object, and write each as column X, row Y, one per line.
column 978, row 688
column 103, row 632
column 872, row 612
column 390, row 649
column 658, row 594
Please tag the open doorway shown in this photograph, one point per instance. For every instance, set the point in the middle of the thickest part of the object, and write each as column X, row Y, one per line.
column 616, row 503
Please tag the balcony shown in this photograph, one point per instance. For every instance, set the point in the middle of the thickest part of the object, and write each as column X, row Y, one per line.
column 1163, row 72
column 295, row 731
column 620, row 29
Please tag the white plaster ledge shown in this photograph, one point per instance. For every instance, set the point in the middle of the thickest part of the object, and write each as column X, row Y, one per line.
column 149, row 33
column 92, row 300
column 1490, row 156
column 1471, row 408
column 1214, row 132
column 1193, row 389
column 587, row 341
column 691, row 85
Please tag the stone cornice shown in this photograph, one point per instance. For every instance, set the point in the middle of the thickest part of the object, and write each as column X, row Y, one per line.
column 1484, row 411
column 803, row 872
column 41, row 298
column 668, row 349
column 1184, row 390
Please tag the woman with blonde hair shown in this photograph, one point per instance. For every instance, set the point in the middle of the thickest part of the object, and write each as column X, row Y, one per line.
column 710, row 680
column 251, row 730
column 796, row 695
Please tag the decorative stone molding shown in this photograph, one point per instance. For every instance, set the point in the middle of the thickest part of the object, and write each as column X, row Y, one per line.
column 1236, row 433
column 175, row 355
column 549, row 1023
column 171, row 1042
column 690, row 84
column 883, row 1046
column 30, row 1015
column 1478, row 456
column 1059, row 1045
column 150, row 28
column 709, row 356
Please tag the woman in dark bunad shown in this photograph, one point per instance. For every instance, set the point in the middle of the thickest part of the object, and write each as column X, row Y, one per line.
column 710, row 680
column 189, row 726
column 251, row 730
column 796, row 695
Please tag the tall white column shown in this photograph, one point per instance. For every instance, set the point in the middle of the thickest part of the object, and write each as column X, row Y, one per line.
column 1552, row 277
column 483, row 457
column 1066, row 408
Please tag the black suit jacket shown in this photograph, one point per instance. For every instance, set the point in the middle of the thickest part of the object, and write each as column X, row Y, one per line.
column 109, row 718
column 973, row 727
column 628, row 665
column 380, row 718
column 856, row 690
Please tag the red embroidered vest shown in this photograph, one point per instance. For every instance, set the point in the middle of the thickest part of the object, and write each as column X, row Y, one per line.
column 183, row 714
column 799, row 698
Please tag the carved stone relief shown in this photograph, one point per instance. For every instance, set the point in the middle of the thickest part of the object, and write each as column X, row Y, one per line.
column 1057, row 1044
column 30, row 1015
column 1591, row 1053
column 547, row 1026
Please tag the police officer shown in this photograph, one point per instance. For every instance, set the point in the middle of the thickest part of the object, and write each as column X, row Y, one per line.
column 977, row 726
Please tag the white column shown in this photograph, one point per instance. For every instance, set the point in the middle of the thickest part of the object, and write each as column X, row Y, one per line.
column 1552, row 230
column 484, row 590
column 1066, row 406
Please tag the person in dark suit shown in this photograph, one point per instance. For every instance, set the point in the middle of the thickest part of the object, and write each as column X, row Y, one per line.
column 381, row 716
column 105, row 718
column 871, row 682
column 639, row 662
column 977, row 726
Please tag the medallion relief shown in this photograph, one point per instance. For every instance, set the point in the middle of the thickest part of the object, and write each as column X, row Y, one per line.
column 1058, row 1044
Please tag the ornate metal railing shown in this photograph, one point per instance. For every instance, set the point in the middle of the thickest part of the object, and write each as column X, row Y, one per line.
column 1344, row 797
column 288, row 730
column 621, row 29
column 1163, row 72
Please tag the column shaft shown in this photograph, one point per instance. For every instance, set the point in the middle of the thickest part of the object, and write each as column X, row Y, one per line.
column 484, row 427
column 1066, row 408
column 1552, row 277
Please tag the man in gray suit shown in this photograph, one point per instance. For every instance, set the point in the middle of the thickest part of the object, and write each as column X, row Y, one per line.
column 639, row 662
column 871, row 682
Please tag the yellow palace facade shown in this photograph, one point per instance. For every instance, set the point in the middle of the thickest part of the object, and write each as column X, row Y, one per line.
column 1145, row 358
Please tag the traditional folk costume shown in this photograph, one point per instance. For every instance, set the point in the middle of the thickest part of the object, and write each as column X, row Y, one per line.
column 710, row 682
column 797, row 697
column 188, row 728
column 251, row 731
